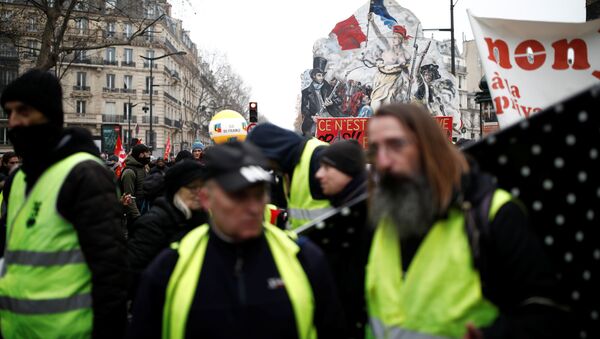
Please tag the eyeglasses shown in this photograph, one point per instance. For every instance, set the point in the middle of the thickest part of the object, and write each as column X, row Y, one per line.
column 395, row 145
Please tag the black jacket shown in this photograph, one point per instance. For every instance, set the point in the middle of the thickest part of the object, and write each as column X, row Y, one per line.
column 345, row 241
column 155, row 230
column 233, row 297
column 514, row 270
column 88, row 200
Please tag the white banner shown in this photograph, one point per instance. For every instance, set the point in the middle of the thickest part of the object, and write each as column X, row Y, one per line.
column 531, row 65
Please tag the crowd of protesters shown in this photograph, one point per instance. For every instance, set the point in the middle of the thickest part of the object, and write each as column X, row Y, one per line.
column 420, row 244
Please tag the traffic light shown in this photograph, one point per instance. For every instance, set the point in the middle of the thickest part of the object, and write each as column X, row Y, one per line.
column 253, row 109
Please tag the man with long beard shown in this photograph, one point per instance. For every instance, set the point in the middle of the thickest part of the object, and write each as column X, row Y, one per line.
column 434, row 269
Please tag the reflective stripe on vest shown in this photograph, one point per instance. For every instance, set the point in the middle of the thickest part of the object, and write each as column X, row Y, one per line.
column 441, row 291
column 185, row 276
column 32, row 258
column 302, row 208
column 25, row 306
column 46, row 284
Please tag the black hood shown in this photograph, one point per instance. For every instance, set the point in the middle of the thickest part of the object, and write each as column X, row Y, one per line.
column 72, row 140
column 278, row 144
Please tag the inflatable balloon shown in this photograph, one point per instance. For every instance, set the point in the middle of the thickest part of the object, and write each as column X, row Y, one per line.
column 227, row 125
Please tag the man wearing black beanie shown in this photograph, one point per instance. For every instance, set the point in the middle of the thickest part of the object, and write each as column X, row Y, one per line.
column 344, row 237
column 64, row 260
column 132, row 181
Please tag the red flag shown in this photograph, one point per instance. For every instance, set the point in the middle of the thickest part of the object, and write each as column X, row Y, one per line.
column 167, row 149
column 119, row 152
column 349, row 34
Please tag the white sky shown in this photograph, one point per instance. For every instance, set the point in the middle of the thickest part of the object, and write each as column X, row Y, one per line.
column 269, row 42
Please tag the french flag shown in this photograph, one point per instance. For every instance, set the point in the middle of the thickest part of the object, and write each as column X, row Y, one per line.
column 349, row 34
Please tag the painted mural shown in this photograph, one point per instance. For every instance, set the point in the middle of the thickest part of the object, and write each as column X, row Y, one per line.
column 376, row 56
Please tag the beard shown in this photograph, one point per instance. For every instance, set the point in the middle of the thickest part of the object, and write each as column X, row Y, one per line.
column 406, row 202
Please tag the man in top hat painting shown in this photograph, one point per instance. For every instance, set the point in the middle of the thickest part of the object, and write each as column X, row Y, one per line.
column 315, row 97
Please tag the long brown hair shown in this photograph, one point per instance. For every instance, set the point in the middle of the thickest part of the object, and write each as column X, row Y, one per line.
column 442, row 163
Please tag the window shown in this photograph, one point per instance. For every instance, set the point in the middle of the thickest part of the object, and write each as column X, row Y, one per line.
column 31, row 24
column 110, row 54
column 80, row 107
column 125, row 110
column 109, row 108
column 128, row 30
column 110, row 81
column 32, row 48
column 128, row 55
column 111, row 4
column 128, row 82
column 110, row 29
column 150, row 54
column 81, row 77
column 82, row 25
column 147, row 84
column 80, row 55
column 150, row 33
column 4, row 136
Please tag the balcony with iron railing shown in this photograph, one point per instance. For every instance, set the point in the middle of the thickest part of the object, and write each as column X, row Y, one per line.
column 113, row 62
column 128, row 90
column 128, row 63
column 110, row 90
column 177, row 123
column 168, row 122
column 147, row 64
column 81, row 88
column 147, row 92
column 146, row 120
column 112, row 118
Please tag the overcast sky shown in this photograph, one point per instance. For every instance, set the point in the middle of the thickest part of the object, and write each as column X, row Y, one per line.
column 269, row 42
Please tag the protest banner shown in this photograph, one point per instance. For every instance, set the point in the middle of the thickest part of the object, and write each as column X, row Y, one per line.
column 333, row 130
column 532, row 65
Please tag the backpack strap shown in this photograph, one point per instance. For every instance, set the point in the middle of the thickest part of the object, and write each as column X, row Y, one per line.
column 477, row 224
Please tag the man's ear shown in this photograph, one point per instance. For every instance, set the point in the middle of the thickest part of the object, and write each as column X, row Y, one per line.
column 204, row 196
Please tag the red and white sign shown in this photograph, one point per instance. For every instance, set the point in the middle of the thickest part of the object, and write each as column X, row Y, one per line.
column 335, row 129
column 531, row 65
column 446, row 125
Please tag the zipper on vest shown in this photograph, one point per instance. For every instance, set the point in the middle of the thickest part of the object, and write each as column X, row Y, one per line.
column 239, row 275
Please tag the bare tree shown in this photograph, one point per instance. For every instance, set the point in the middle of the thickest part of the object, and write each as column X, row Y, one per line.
column 232, row 92
column 51, row 32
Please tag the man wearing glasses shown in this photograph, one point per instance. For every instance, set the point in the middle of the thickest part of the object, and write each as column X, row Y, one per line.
column 435, row 269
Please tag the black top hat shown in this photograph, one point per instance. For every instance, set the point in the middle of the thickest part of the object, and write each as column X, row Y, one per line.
column 319, row 63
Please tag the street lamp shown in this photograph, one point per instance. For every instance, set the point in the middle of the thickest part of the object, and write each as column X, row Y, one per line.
column 151, row 141
column 484, row 99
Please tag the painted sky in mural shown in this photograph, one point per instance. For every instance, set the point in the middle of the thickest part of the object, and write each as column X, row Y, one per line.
column 364, row 64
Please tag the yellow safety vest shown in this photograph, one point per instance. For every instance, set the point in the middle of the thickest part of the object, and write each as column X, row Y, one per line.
column 302, row 208
column 45, row 289
column 185, row 276
column 441, row 291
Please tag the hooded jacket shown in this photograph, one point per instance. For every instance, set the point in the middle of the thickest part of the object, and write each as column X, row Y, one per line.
column 132, row 182
column 285, row 148
column 88, row 200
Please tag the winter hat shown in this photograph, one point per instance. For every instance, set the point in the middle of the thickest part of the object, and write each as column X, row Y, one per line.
column 139, row 148
column 40, row 90
column 197, row 145
column 346, row 156
column 181, row 174
column 182, row 155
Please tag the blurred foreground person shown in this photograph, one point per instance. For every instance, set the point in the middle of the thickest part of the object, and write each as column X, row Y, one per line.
column 452, row 255
column 237, row 277
column 344, row 236
column 65, row 271
column 296, row 159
